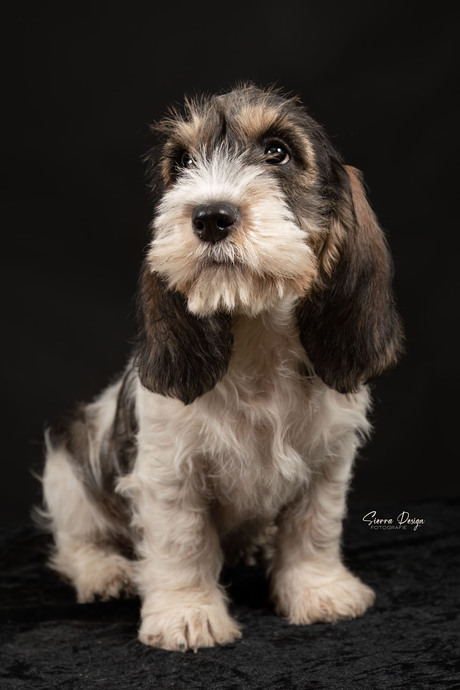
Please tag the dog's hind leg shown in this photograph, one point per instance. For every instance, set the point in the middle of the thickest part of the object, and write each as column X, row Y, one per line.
column 85, row 553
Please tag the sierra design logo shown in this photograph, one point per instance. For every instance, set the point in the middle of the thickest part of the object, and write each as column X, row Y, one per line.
column 402, row 521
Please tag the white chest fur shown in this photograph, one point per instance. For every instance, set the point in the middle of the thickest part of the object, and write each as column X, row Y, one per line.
column 253, row 442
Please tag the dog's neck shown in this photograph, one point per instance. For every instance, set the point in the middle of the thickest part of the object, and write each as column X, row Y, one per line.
column 267, row 345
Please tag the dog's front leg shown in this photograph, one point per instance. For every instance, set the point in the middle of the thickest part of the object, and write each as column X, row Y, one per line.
column 309, row 582
column 183, row 606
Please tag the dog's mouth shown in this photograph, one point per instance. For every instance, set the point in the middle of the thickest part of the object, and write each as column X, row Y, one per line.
column 221, row 254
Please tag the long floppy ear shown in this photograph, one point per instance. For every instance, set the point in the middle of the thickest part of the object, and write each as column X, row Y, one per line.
column 178, row 354
column 349, row 325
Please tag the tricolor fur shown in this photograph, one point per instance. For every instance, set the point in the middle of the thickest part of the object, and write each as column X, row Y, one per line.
column 265, row 307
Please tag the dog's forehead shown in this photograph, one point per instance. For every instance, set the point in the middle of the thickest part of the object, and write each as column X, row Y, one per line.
column 242, row 115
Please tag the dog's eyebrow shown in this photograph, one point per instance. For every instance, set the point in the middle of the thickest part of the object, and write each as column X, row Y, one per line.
column 261, row 121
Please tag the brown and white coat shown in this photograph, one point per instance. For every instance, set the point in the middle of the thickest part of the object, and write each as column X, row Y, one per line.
column 265, row 307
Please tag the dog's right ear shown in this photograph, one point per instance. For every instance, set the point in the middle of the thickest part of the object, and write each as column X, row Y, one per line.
column 178, row 354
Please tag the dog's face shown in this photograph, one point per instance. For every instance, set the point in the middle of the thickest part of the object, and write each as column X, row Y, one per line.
column 253, row 204
column 243, row 203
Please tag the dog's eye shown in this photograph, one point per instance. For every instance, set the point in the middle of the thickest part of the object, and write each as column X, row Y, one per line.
column 276, row 154
column 185, row 161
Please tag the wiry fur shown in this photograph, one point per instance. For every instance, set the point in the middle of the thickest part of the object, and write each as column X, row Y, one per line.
column 235, row 426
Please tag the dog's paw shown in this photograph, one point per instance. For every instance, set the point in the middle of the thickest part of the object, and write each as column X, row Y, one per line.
column 327, row 601
column 109, row 577
column 190, row 626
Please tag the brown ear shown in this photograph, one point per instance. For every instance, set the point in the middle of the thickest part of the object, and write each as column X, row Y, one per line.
column 349, row 325
column 178, row 354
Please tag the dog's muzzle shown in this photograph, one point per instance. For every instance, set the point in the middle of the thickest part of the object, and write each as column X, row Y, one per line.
column 213, row 222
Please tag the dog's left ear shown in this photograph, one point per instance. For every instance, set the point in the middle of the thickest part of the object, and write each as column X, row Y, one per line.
column 178, row 354
column 349, row 325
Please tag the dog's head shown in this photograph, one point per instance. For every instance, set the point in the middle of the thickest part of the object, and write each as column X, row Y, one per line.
column 253, row 205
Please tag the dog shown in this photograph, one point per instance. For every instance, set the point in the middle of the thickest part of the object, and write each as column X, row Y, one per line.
column 265, row 308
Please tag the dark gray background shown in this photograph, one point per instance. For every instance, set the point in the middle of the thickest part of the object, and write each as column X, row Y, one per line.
column 79, row 90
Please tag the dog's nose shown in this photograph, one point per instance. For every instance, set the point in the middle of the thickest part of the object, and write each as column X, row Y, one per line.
column 213, row 222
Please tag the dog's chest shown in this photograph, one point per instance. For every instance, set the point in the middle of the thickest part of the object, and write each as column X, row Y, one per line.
column 256, row 443
column 256, row 474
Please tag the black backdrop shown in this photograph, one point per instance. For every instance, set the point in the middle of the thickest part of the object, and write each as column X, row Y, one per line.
column 80, row 88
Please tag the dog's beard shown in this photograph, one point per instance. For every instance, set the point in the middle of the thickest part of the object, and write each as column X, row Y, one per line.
column 265, row 259
column 220, row 278
column 235, row 291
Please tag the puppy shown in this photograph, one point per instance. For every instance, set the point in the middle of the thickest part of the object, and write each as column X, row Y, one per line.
column 265, row 307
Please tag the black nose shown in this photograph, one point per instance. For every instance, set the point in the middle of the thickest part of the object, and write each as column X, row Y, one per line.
column 213, row 222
